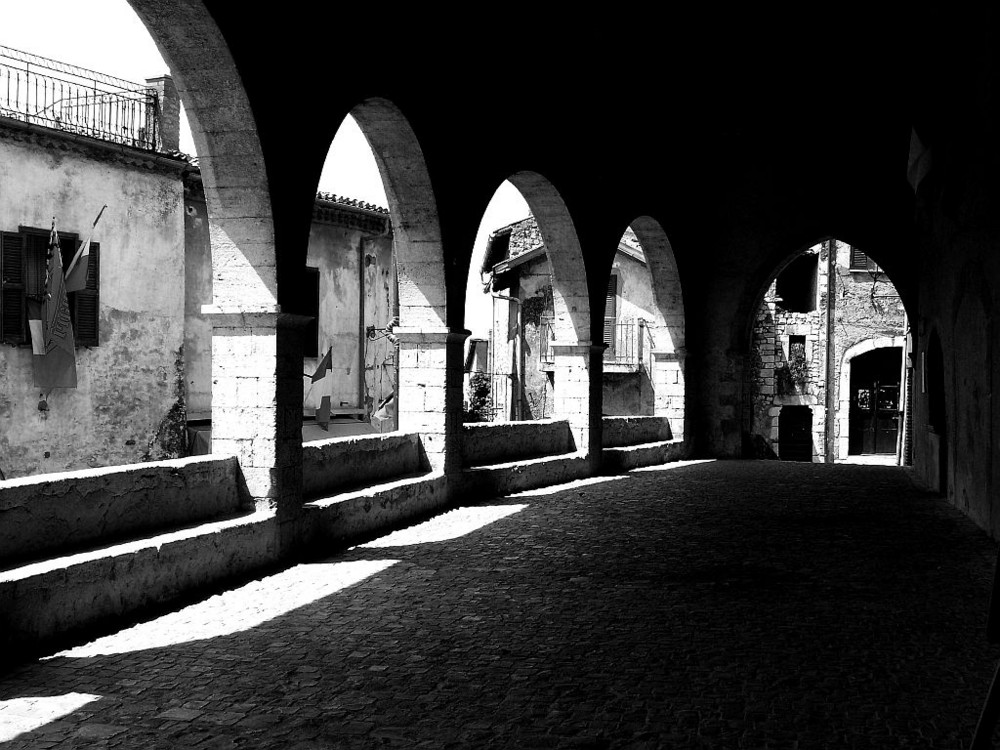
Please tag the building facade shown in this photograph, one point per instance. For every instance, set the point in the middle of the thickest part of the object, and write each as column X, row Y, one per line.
column 143, row 347
column 521, row 361
column 829, row 366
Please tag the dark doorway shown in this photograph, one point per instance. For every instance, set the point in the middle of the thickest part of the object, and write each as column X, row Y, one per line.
column 874, row 418
column 795, row 433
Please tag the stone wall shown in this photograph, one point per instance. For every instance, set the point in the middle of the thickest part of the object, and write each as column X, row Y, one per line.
column 867, row 308
column 44, row 516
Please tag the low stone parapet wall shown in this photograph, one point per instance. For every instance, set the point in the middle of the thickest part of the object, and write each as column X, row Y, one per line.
column 58, row 513
column 500, row 442
column 341, row 463
column 621, row 431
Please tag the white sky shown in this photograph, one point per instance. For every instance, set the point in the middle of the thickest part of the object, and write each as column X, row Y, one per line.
column 107, row 36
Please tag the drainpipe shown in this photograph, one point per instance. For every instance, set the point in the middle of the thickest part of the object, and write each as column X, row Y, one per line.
column 831, row 353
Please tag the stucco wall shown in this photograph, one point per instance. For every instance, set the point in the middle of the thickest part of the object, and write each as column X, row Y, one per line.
column 353, row 263
column 129, row 403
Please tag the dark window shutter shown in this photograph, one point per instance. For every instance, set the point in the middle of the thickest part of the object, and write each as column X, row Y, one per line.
column 12, row 308
column 85, row 304
column 36, row 248
column 611, row 301
column 310, row 344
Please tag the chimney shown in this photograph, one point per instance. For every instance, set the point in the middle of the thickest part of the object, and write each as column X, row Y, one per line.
column 168, row 127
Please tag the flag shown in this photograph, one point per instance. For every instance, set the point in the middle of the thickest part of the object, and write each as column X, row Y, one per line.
column 76, row 274
column 325, row 365
column 56, row 366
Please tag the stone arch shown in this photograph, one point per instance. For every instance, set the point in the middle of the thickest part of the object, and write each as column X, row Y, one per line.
column 230, row 155
column 844, row 383
column 577, row 368
column 570, row 293
column 430, row 355
column 412, row 206
column 669, row 353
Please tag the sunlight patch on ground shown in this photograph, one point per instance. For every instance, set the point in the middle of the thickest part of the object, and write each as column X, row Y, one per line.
column 450, row 525
column 676, row 465
column 20, row 715
column 553, row 489
column 237, row 610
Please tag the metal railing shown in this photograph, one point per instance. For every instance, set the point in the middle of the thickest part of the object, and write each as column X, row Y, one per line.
column 625, row 342
column 53, row 94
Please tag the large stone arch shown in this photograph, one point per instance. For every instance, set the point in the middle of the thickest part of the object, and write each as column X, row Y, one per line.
column 577, row 371
column 668, row 356
column 429, row 389
column 256, row 349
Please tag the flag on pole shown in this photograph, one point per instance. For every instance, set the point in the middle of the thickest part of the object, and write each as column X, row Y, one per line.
column 76, row 274
column 55, row 367
column 325, row 365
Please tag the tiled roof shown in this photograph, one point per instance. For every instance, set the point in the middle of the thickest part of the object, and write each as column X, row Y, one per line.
column 350, row 202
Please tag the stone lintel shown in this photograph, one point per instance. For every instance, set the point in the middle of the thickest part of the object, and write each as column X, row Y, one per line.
column 239, row 316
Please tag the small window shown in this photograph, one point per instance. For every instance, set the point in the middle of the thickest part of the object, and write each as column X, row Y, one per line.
column 861, row 262
column 23, row 257
column 310, row 345
column 796, row 284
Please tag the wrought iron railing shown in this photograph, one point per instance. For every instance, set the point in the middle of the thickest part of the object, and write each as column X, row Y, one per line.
column 624, row 343
column 53, row 94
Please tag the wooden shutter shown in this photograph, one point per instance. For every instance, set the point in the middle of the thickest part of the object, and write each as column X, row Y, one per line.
column 85, row 304
column 12, row 302
column 610, row 315
column 310, row 344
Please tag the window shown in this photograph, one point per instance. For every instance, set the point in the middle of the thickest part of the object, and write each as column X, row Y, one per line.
column 861, row 262
column 611, row 315
column 310, row 344
column 796, row 284
column 22, row 275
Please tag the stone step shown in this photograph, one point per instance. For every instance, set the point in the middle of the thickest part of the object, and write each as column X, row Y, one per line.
column 64, row 597
column 361, row 513
column 623, row 458
column 500, row 479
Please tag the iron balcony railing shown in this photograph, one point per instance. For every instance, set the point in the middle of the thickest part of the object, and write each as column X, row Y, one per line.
column 629, row 341
column 53, row 94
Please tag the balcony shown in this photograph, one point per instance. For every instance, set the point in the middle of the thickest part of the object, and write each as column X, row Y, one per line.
column 41, row 91
column 629, row 344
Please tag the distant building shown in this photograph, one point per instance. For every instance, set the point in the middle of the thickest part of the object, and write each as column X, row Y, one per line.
column 143, row 347
column 521, row 363
column 789, row 394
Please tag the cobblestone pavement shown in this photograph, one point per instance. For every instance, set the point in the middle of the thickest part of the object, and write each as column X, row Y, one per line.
column 697, row 605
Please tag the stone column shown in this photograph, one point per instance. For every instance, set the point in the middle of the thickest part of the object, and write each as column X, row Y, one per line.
column 257, row 403
column 429, row 392
column 668, row 389
column 578, row 370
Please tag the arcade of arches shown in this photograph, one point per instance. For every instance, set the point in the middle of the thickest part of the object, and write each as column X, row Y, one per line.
column 734, row 193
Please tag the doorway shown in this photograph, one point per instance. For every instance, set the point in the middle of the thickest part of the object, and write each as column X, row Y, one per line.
column 875, row 416
column 795, row 433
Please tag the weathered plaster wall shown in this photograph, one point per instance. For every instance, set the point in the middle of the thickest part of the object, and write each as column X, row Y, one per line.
column 129, row 404
column 349, row 259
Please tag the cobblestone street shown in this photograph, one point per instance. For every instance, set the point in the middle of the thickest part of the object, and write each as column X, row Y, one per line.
column 694, row 605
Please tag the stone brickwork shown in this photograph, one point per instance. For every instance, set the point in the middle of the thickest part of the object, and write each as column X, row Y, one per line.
column 788, row 365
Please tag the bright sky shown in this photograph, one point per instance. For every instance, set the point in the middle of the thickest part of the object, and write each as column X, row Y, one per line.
column 107, row 36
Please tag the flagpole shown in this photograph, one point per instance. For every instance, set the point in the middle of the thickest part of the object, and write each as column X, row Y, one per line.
column 86, row 243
